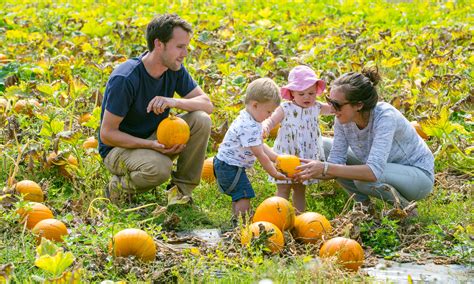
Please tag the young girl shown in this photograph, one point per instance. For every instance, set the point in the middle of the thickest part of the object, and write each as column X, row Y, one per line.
column 299, row 132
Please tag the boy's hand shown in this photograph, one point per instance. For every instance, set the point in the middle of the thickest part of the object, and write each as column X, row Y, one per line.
column 266, row 132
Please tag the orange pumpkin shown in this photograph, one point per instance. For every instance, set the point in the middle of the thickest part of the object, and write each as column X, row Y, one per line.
column 3, row 105
column 50, row 229
column 90, row 143
column 31, row 190
column 276, row 210
column 26, row 106
column 310, row 227
column 34, row 212
column 3, row 58
column 20, row 106
column 348, row 252
column 207, row 173
column 274, row 132
column 50, row 159
column 419, row 130
column 84, row 118
column 173, row 130
column 133, row 242
column 287, row 164
column 275, row 242
column 71, row 162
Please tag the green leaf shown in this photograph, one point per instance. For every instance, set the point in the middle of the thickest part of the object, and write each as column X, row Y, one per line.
column 56, row 264
column 45, row 88
column 57, row 126
column 45, row 130
column 47, row 247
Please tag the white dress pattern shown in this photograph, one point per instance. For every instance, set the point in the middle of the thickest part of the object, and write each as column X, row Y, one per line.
column 299, row 135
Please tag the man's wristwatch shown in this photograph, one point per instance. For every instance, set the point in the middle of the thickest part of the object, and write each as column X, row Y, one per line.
column 325, row 169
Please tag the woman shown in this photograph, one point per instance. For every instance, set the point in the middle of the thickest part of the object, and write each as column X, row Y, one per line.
column 374, row 145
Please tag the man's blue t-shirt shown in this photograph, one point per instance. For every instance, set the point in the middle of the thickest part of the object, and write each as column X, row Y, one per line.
column 129, row 90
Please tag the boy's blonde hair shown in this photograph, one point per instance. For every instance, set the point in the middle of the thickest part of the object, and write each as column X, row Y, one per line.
column 263, row 90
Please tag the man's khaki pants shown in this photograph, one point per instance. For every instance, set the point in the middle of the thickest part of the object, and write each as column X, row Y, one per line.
column 139, row 170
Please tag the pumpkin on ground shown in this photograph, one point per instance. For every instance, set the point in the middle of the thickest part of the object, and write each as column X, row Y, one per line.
column 311, row 227
column 25, row 106
column 287, row 164
column 50, row 229
column 30, row 190
column 172, row 131
column 276, row 210
column 133, row 242
column 84, row 118
column 275, row 242
column 34, row 212
column 348, row 252
column 207, row 173
column 90, row 143
column 419, row 130
column 3, row 105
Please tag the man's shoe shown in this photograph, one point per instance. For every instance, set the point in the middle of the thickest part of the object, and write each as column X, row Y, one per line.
column 111, row 191
column 171, row 185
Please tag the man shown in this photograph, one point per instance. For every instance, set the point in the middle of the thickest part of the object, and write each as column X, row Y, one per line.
column 138, row 96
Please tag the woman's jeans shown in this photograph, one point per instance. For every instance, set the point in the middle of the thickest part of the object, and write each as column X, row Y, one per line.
column 411, row 183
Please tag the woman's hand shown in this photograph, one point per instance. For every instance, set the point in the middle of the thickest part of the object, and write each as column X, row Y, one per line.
column 309, row 169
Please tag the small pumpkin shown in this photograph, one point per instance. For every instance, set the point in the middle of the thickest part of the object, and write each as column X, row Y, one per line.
column 276, row 210
column 275, row 242
column 20, row 106
column 90, row 143
column 133, row 242
column 71, row 162
column 207, row 173
column 172, row 131
column 419, row 130
column 3, row 105
column 33, row 212
column 25, row 106
column 3, row 58
column 31, row 190
column 50, row 229
column 310, row 227
column 348, row 252
column 287, row 164
column 84, row 118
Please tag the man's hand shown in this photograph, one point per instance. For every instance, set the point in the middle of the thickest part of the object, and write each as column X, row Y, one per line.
column 159, row 104
column 176, row 149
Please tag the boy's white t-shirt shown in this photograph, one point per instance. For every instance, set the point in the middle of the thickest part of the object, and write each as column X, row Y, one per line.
column 243, row 133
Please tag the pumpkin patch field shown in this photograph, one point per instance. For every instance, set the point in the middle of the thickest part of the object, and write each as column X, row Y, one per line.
column 58, row 226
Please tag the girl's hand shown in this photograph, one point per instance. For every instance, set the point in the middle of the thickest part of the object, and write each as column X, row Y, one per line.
column 309, row 169
column 279, row 176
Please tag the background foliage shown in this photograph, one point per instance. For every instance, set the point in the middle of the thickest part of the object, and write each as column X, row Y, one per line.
column 58, row 55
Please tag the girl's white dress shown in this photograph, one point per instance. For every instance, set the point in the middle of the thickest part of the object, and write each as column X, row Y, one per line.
column 299, row 135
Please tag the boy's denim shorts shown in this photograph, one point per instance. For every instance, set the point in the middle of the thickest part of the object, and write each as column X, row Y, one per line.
column 232, row 180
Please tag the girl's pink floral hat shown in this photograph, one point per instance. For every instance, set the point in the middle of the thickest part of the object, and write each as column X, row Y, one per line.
column 300, row 78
